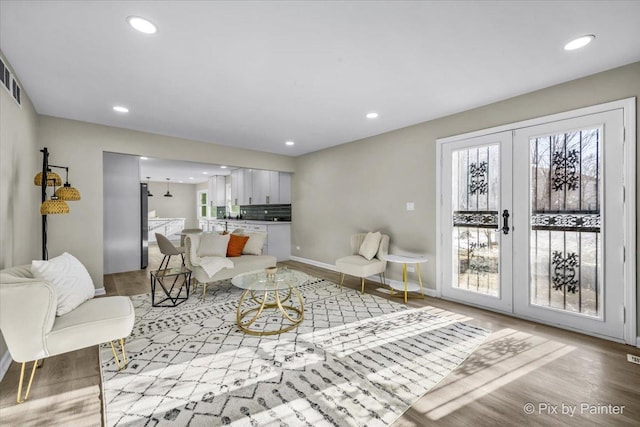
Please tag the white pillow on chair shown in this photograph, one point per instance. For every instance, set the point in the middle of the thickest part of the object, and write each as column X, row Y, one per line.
column 70, row 279
column 370, row 245
column 213, row 244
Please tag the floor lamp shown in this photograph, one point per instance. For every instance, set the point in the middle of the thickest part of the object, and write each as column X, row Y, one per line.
column 56, row 204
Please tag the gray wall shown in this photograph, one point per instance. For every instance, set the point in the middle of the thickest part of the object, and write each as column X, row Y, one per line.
column 121, row 220
column 181, row 205
column 20, row 160
column 364, row 185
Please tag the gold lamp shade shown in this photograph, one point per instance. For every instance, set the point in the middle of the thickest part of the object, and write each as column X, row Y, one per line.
column 52, row 179
column 68, row 193
column 54, row 207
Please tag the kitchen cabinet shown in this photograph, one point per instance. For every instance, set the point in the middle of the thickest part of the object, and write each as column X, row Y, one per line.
column 237, row 186
column 260, row 187
column 284, row 188
column 216, row 190
column 278, row 241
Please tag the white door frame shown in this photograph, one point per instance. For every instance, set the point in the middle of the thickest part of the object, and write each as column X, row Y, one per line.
column 628, row 106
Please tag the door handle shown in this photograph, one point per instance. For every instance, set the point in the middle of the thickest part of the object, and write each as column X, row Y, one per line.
column 505, row 221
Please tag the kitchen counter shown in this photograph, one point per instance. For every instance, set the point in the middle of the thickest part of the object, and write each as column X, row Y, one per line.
column 253, row 221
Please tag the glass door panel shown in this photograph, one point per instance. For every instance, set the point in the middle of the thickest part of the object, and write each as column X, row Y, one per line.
column 477, row 251
column 476, row 195
column 570, row 209
column 566, row 248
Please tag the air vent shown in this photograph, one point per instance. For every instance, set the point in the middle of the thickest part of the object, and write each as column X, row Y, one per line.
column 10, row 83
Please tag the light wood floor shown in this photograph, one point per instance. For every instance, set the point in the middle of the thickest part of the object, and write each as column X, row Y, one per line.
column 521, row 362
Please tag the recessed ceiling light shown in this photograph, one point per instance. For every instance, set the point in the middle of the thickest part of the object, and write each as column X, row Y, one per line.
column 180, row 182
column 141, row 24
column 120, row 109
column 205, row 173
column 190, row 177
column 144, row 158
column 372, row 115
column 223, row 167
column 579, row 42
column 290, row 143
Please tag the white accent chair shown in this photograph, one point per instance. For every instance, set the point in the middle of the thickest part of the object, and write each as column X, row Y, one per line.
column 33, row 332
column 358, row 266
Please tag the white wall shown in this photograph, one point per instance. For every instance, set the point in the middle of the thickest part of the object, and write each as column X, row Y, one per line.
column 181, row 205
column 121, row 220
column 80, row 145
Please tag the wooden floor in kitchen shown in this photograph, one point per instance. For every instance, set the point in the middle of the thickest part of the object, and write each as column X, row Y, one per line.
column 523, row 374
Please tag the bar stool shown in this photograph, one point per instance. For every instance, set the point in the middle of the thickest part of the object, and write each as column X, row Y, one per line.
column 168, row 250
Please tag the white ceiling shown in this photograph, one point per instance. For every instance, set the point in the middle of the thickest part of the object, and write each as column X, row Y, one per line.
column 158, row 170
column 255, row 74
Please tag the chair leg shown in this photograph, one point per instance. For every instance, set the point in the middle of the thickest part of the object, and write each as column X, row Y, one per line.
column 382, row 281
column 182, row 255
column 166, row 258
column 115, row 354
column 362, row 283
column 341, row 279
column 19, row 398
column 204, row 290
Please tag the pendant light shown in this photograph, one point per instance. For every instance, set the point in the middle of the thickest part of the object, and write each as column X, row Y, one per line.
column 168, row 194
column 148, row 190
column 67, row 192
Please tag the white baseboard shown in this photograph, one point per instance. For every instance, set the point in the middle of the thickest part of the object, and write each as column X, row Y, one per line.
column 428, row 292
column 314, row 263
column 5, row 362
column 100, row 291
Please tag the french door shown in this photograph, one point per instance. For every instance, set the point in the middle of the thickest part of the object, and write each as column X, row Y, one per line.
column 531, row 222
column 477, row 192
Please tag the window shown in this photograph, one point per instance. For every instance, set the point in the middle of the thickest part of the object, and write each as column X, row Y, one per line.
column 203, row 205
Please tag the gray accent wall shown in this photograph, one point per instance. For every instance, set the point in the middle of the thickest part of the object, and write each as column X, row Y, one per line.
column 121, row 219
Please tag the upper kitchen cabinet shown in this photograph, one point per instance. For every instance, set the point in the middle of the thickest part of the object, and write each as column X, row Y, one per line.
column 216, row 190
column 284, row 188
column 260, row 187
column 237, row 187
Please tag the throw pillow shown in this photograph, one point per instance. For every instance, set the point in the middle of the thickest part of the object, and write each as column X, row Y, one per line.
column 213, row 244
column 69, row 278
column 255, row 243
column 369, row 247
column 236, row 245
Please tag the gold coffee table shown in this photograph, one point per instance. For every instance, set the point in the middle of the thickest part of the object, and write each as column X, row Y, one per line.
column 265, row 291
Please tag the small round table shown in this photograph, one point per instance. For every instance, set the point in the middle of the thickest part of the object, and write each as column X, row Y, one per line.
column 264, row 290
column 407, row 287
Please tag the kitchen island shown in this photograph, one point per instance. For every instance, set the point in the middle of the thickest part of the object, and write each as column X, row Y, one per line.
column 278, row 241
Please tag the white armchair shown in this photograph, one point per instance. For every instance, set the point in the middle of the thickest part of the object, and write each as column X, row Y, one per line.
column 33, row 332
column 358, row 266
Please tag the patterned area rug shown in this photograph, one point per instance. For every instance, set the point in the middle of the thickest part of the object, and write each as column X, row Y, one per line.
column 355, row 360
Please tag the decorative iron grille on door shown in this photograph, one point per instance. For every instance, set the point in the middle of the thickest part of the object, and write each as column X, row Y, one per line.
column 566, row 248
column 475, row 197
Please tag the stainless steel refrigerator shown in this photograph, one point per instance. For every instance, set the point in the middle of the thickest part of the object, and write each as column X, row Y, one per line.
column 144, row 225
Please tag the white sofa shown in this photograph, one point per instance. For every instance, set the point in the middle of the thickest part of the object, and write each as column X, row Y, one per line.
column 32, row 330
column 241, row 264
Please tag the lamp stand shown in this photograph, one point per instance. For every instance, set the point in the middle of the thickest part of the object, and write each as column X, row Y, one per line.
column 45, row 169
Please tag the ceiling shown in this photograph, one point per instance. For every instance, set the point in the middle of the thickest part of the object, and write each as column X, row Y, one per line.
column 158, row 170
column 256, row 74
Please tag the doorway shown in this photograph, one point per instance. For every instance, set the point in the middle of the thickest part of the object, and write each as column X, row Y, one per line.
column 535, row 221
